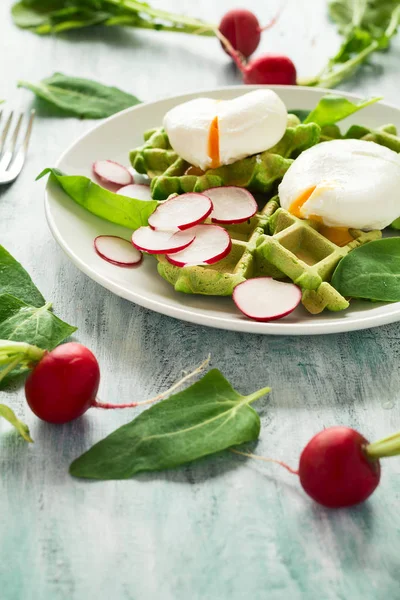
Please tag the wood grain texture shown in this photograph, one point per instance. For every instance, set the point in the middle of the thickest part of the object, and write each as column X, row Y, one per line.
column 224, row 528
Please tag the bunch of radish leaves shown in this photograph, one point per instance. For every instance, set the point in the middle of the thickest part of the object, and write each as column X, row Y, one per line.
column 367, row 26
column 25, row 320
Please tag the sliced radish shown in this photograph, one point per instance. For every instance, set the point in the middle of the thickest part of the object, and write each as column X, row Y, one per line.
column 140, row 191
column 181, row 212
column 112, row 172
column 265, row 299
column 231, row 204
column 117, row 251
column 161, row 242
column 212, row 243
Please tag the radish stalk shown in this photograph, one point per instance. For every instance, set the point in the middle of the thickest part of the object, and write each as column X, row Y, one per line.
column 388, row 446
column 13, row 354
column 265, row 459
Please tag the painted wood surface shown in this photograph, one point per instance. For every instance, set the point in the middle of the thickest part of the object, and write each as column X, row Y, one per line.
column 223, row 528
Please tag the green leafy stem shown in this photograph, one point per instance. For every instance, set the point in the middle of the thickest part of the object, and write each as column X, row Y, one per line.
column 388, row 446
column 14, row 354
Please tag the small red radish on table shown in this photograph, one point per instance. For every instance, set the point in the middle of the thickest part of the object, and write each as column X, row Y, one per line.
column 63, row 383
column 242, row 28
column 267, row 69
column 339, row 467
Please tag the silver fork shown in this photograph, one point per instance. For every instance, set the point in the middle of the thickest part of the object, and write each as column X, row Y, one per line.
column 12, row 159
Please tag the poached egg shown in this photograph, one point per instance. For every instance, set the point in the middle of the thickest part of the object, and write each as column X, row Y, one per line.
column 208, row 133
column 344, row 184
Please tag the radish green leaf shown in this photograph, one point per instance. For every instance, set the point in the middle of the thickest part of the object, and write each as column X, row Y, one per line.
column 207, row 417
column 79, row 97
column 371, row 271
column 129, row 212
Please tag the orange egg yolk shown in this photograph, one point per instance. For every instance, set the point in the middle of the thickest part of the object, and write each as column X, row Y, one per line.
column 337, row 235
column 213, row 144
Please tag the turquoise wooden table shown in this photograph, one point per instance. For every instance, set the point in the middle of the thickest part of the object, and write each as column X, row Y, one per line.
column 225, row 528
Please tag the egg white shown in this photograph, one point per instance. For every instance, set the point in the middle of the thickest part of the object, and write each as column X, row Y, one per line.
column 357, row 184
column 249, row 124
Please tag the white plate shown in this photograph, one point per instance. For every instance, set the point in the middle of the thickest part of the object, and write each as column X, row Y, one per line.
column 75, row 229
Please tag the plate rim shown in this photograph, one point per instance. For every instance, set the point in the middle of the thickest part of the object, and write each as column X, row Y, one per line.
column 186, row 313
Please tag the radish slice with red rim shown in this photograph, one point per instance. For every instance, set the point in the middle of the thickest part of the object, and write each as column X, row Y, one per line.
column 117, row 250
column 181, row 212
column 139, row 191
column 161, row 242
column 265, row 299
column 112, row 172
column 212, row 243
column 231, row 204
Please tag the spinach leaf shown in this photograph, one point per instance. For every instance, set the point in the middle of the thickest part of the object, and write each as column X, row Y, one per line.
column 82, row 98
column 207, row 417
column 35, row 326
column 331, row 109
column 115, row 208
column 15, row 280
column 371, row 271
column 10, row 416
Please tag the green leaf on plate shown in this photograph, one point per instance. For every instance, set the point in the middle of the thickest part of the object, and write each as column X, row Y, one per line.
column 371, row 271
column 81, row 98
column 10, row 416
column 207, row 417
column 15, row 280
column 129, row 212
column 331, row 109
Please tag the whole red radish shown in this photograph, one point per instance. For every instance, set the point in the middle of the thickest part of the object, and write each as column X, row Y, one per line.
column 335, row 469
column 242, row 29
column 270, row 69
column 339, row 467
column 267, row 69
column 64, row 384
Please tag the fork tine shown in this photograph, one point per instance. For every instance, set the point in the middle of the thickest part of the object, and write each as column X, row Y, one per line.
column 10, row 149
column 16, row 132
column 27, row 137
column 5, row 132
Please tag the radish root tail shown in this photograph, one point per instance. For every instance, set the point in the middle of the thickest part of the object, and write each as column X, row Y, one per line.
column 265, row 459
column 168, row 392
